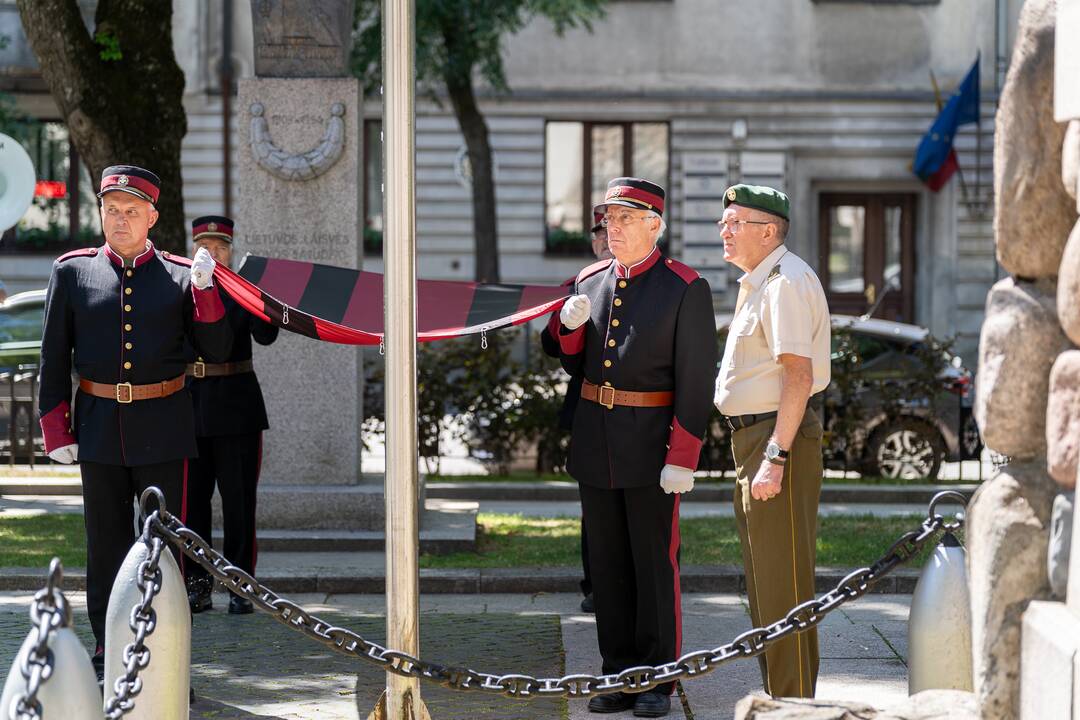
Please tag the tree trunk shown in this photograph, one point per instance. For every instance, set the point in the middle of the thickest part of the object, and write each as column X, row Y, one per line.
column 127, row 110
column 474, row 128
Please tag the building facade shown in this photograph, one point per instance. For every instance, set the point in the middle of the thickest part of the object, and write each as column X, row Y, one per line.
column 825, row 99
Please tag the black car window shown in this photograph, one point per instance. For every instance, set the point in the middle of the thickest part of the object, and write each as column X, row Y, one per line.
column 21, row 323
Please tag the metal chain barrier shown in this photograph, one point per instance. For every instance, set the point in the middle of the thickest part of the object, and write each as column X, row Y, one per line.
column 49, row 613
column 637, row 679
column 142, row 621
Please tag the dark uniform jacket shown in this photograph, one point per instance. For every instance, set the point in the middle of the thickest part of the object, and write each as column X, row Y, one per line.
column 549, row 341
column 652, row 329
column 233, row 404
column 125, row 325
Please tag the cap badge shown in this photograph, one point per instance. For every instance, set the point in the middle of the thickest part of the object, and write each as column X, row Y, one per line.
column 731, row 194
column 122, row 180
column 614, row 192
column 212, row 227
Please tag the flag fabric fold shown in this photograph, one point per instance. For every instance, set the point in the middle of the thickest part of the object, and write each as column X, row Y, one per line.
column 345, row 306
column 935, row 159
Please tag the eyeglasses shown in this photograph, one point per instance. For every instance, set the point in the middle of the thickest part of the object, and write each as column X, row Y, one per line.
column 621, row 219
column 734, row 226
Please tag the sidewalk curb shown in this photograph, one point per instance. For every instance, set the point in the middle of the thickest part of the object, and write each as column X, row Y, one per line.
column 469, row 581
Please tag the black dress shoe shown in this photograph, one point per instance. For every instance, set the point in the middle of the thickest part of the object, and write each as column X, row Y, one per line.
column 587, row 604
column 240, row 606
column 199, row 595
column 651, row 704
column 615, row 702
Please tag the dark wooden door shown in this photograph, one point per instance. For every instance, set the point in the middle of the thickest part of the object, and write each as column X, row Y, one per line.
column 866, row 243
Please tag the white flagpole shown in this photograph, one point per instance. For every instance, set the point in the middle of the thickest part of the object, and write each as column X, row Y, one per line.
column 402, row 696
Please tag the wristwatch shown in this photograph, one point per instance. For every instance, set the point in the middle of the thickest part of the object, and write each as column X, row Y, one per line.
column 774, row 454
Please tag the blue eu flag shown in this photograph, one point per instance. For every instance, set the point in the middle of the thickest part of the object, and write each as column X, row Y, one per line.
column 935, row 152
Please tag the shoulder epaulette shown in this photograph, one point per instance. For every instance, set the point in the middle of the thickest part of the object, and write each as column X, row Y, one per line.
column 593, row 269
column 687, row 273
column 176, row 259
column 81, row 252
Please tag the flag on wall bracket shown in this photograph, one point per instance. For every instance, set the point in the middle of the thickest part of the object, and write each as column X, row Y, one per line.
column 935, row 159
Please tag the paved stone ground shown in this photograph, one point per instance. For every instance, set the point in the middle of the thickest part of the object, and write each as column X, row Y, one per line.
column 243, row 675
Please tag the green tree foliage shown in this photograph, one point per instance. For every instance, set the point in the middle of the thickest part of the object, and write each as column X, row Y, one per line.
column 118, row 89
column 458, row 41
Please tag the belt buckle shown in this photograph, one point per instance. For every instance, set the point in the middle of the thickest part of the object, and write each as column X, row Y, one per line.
column 200, row 369
column 119, row 395
column 610, row 404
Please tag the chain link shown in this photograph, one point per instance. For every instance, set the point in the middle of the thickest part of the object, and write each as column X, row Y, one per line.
column 749, row 644
column 49, row 612
column 143, row 622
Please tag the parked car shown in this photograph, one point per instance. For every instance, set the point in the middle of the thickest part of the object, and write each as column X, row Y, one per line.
column 21, row 318
column 904, row 436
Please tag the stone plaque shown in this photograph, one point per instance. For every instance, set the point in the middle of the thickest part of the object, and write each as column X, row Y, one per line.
column 302, row 38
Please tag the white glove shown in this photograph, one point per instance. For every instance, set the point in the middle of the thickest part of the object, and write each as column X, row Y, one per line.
column 202, row 269
column 675, row 479
column 66, row 455
column 575, row 311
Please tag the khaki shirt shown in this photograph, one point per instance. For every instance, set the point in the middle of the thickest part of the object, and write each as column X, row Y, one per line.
column 783, row 311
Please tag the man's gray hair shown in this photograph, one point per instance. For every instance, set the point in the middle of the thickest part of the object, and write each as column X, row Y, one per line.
column 663, row 224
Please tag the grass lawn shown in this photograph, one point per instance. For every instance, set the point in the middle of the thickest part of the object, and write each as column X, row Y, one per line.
column 833, row 478
column 33, row 541
column 508, row 541
column 40, row 469
column 517, row 541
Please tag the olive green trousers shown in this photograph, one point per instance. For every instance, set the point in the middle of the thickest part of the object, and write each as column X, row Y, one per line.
column 778, row 538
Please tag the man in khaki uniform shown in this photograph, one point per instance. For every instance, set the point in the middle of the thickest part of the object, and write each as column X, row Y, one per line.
column 775, row 359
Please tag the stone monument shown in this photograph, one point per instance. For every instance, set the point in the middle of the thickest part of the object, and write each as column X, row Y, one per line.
column 299, row 197
column 1049, row 674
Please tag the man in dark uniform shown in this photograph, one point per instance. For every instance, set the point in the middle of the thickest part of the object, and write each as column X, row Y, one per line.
column 641, row 330
column 124, row 311
column 549, row 341
column 230, row 416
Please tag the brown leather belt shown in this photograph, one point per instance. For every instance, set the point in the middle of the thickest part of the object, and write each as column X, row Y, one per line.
column 204, row 369
column 609, row 397
column 126, row 392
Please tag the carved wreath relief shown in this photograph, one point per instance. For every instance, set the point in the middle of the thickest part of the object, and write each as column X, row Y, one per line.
column 302, row 166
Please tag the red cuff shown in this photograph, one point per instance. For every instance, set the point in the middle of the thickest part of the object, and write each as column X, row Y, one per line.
column 208, row 305
column 573, row 342
column 56, row 427
column 553, row 324
column 683, row 448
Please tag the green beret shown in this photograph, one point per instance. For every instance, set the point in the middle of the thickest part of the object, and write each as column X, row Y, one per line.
column 758, row 197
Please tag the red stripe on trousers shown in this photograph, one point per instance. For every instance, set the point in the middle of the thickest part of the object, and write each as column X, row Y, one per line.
column 254, row 536
column 183, row 513
column 673, row 556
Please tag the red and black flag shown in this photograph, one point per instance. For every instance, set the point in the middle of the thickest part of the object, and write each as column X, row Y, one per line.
column 345, row 306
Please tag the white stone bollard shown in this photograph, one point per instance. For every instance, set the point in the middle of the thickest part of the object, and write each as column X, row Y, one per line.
column 939, row 624
column 70, row 693
column 167, row 678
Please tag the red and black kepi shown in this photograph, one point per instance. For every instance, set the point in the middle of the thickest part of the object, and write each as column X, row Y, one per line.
column 131, row 179
column 598, row 222
column 633, row 192
column 212, row 226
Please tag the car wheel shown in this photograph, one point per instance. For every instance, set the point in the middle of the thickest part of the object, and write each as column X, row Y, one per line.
column 906, row 450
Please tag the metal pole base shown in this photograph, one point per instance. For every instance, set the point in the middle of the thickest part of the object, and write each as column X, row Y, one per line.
column 411, row 708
